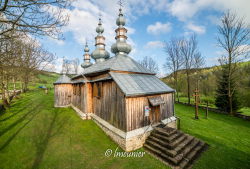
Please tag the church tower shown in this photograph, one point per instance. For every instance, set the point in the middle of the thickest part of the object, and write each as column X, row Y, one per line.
column 121, row 46
column 86, row 62
column 100, row 54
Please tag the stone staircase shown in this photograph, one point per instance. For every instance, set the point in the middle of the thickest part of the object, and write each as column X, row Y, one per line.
column 173, row 147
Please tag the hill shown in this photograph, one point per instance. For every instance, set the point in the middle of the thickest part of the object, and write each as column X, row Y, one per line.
column 208, row 83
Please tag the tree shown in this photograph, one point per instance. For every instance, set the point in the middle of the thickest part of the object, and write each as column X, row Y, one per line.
column 222, row 100
column 233, row 38
column 38, row 17
column 174, row 60
column 75, row 65
column 150, row 64
column 189, row 51
column 33, row 58
column 198, row 63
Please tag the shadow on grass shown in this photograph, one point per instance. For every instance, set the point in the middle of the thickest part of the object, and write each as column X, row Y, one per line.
column 222, row 156
column 19, row 120
column 18, row 131
column 48, row 128
column 13, row 114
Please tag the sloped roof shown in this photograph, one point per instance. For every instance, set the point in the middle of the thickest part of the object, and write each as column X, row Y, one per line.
column 119, row 62
column 140, row 84
column 63, row 79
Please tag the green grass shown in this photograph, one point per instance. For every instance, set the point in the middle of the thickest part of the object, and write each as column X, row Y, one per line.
column 34, row 134
column 228, row 138
column 245, row 111
column 203, row 100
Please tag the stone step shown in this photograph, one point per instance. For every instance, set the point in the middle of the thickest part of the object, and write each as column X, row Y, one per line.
column 188, row 160
column 165, row 131
column 173, row 147
column 159, row 154
column 163, row 152
column 178, row 141
column 167, row 149
column 160, row 147
column 161, row 140
column 182, row 155
column 185, row 143
column 168, row 139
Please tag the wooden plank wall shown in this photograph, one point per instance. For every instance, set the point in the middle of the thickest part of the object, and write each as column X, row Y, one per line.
column 79, row 100
column 111, row 105
column 135, row 110
column 62, row 94
column 167, row 109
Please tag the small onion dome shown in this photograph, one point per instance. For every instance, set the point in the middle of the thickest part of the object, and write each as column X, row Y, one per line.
column 99, row 28
column 100, row 53
column 86, row 49
column 120, row 20
column 86, row 65
column 121, row 47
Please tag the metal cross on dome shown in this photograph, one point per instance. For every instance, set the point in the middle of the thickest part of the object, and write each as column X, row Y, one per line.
column 120, row 3
column 100, row 16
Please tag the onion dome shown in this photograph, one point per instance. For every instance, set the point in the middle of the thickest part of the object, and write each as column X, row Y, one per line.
column 121, row 46
column 86, row 62
column 100, row 54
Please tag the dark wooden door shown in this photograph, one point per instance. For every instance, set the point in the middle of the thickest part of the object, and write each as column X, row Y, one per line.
column 155, row 115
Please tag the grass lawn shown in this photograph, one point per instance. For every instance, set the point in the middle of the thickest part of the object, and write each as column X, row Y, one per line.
column 245, row 111
column 228, row 137
column 33, row 134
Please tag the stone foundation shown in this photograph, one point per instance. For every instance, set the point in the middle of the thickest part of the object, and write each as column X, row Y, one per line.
column 84, row 116
column 128, row 141
column 131, row 140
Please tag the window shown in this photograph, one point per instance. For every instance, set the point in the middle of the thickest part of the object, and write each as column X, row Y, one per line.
column 79, row 89
column 97, row 89
column 74, row 89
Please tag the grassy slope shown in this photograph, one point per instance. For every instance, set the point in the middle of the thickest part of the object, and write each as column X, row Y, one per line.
column 245, row 111
column 228, row 137
column 34, row 134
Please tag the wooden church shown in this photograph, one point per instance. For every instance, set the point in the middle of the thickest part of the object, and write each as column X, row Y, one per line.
column 124, row 98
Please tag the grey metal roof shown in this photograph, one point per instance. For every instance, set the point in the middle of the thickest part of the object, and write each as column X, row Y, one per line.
column 119, row 62
column 63, row 79
column 91, row 81
column 140, row 84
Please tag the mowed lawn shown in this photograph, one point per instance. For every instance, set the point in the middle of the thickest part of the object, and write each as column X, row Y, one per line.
column 228, row 138
column 33, row 134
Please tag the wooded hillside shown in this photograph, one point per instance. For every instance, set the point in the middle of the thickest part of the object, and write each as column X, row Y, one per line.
column 208, row 83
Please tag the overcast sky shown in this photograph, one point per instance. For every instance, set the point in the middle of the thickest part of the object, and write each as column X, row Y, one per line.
column 149, row 23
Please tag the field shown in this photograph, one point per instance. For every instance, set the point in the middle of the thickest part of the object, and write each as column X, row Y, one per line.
column 34, row 134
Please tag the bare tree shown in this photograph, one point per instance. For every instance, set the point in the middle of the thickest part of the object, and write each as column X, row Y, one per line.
column 198, row 64
column 234, row 39
column 174, row 60
column 34, row 58
column 75, row 65
column 39, row 17
column 189, row 50
column 150, row 64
